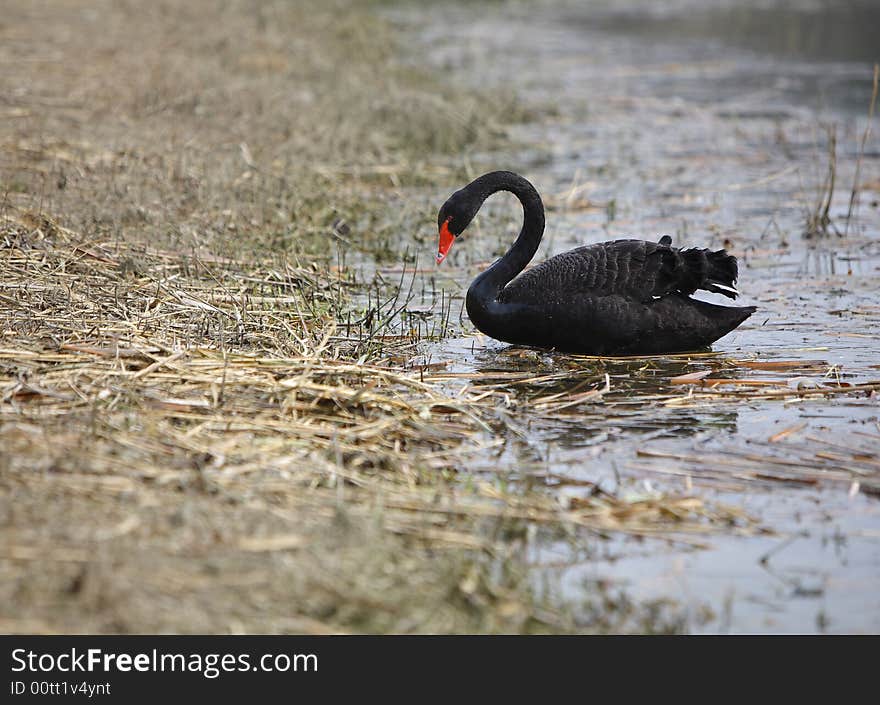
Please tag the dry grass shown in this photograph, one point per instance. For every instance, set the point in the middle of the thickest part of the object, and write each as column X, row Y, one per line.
column 227, row 128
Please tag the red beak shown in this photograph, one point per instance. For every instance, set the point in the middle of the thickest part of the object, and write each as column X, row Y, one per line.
column 446, row 240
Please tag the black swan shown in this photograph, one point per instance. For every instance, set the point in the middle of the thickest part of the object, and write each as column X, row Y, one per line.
column 626, row 297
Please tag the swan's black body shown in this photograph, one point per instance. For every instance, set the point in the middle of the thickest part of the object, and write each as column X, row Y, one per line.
column 626, row 297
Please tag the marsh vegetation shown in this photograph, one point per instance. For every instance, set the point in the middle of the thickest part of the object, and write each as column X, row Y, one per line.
column 236, row 395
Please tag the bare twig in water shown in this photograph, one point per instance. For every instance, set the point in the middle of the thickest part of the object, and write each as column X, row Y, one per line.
column 854, row 194
column 819, row 220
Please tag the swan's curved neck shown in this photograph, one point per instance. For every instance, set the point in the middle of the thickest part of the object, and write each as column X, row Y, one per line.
column 488, row 285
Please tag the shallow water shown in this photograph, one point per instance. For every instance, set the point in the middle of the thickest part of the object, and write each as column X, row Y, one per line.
column 705, row 121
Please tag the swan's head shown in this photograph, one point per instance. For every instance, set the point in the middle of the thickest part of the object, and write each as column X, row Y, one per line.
column 454, row 217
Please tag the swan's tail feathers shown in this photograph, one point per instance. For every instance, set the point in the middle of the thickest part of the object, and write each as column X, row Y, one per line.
column 711, row 271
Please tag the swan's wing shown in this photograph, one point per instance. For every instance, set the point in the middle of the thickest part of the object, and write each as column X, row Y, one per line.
column 636, row 269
